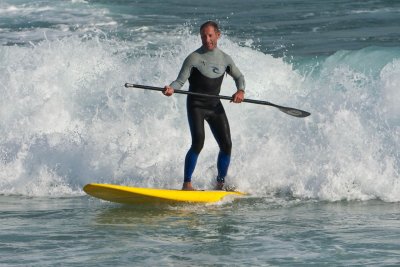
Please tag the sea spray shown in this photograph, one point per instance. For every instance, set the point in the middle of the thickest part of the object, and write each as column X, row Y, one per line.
column 356, row 149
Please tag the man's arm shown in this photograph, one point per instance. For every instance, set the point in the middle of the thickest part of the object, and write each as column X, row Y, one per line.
column 239, row 81
column 183, row 76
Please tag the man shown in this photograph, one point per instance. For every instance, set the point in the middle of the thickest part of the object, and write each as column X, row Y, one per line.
column 205, row 69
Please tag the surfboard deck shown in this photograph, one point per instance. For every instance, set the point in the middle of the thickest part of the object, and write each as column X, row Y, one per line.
column 137, row 195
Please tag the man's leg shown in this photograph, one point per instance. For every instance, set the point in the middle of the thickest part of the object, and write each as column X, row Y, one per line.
column 220, row 128
column 190, row 165
column 196, row 124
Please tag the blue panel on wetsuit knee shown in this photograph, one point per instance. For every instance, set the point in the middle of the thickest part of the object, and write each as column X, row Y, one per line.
column 223, row 165
column 190, row 164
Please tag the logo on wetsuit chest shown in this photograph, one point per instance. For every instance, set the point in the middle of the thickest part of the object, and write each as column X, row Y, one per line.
column 216, row 70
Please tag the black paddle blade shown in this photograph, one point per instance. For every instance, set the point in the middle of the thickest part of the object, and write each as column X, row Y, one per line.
column 295, row 112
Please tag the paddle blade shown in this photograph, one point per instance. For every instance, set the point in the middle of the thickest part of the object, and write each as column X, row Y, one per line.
column 295, row 112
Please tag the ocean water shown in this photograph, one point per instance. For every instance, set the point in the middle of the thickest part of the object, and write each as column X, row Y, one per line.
column 323, row 190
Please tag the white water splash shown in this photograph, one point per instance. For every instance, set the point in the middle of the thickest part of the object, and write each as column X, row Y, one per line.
column 67, row 120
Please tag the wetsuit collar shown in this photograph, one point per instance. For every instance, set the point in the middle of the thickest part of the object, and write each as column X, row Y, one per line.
column 203, row 50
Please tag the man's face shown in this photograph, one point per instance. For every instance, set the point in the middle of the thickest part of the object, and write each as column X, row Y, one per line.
column 209, row 37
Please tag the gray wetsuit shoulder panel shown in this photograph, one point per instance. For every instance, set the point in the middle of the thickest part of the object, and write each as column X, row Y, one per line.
column 209, row 64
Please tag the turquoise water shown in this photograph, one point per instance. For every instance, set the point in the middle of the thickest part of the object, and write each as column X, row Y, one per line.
column 323, row 190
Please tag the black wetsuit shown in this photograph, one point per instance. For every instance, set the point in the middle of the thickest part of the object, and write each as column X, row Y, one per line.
column 205, row 71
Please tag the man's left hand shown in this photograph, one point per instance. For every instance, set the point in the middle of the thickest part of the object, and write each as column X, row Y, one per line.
column 238, row 96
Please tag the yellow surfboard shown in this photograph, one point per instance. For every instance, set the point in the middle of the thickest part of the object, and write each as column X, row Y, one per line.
column 136, row 195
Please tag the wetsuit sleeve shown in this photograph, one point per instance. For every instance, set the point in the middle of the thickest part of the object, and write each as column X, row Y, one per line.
column 233, row 71
column 184, row 74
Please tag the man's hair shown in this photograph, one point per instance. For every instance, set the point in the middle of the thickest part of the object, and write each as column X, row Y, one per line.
column 210, row 23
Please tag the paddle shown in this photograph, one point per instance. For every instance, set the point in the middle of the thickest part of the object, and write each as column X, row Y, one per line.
column 291, row 111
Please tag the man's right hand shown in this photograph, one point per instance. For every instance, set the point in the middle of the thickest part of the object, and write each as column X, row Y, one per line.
column 168, row 90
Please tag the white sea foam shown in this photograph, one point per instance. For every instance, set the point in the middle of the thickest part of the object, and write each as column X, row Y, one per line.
column 67, row 120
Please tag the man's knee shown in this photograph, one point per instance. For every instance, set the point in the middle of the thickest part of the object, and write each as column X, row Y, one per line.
column 226, row 147
column 197, row 147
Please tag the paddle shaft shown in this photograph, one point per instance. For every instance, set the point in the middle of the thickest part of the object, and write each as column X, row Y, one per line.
column 291, row 111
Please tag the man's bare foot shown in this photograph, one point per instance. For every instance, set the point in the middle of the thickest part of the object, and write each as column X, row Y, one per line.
column 188, row 186
column 219, row 186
